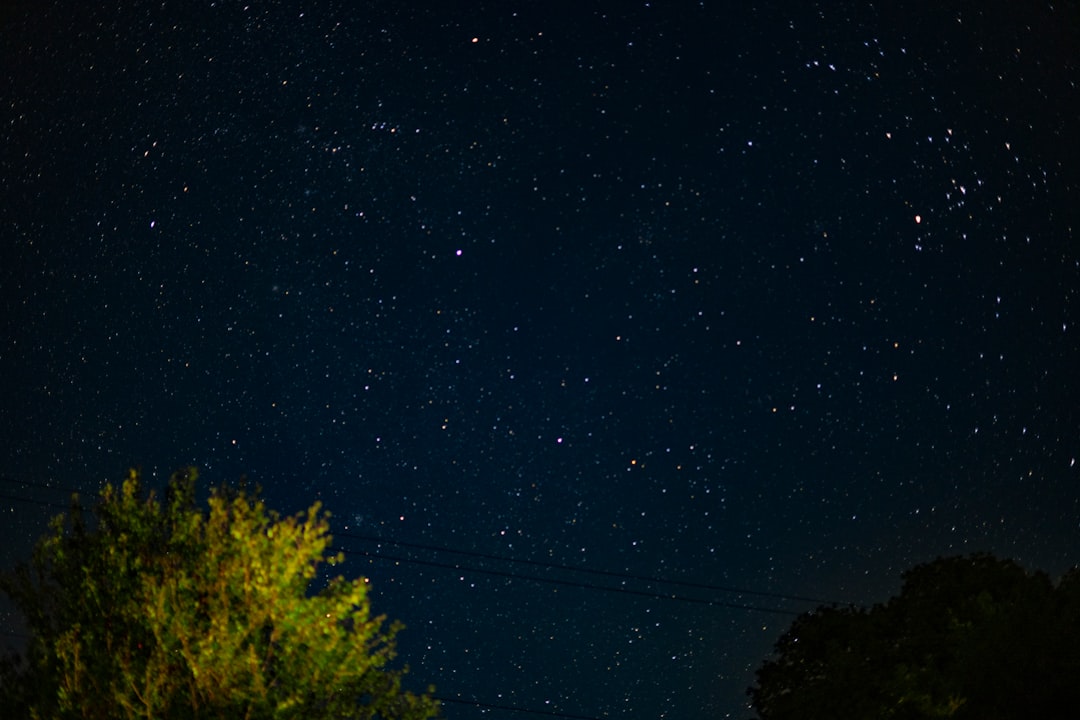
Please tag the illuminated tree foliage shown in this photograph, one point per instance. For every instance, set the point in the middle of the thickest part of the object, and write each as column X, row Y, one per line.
column 967, row 637
column 160, row 609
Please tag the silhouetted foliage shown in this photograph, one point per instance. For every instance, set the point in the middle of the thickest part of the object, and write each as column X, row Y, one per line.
column 163, row 610
column 967, row 637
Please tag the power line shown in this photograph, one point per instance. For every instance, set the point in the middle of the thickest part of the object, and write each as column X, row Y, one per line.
column 591, row 571
column 512, row 708
column 530, row 578
column 578, row 584
column 536, row 563
column 43, row 486
column 43, row 503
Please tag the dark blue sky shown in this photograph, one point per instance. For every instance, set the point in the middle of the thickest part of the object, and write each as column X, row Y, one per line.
column 776, row 296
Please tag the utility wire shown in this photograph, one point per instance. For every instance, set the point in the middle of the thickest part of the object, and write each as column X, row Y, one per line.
column 605, row 573
column 512, row 708
column 525, row 561
column 576, row 584
column 43, row 486
column 43, row 503
column 520, row 576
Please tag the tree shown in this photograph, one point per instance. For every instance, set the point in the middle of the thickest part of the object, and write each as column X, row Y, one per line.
column 164, row 610
column 967, row 637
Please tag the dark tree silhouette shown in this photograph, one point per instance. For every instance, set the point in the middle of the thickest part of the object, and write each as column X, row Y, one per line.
column 967, row 637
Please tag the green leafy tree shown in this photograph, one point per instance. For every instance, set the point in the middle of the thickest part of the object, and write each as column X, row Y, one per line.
column 160, row 609
column 967, row 637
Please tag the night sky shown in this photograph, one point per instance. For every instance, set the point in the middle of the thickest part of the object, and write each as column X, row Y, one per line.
column 773, row 298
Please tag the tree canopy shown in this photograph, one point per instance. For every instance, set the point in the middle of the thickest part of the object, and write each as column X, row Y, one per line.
column 159, row 609
column 967, row 637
